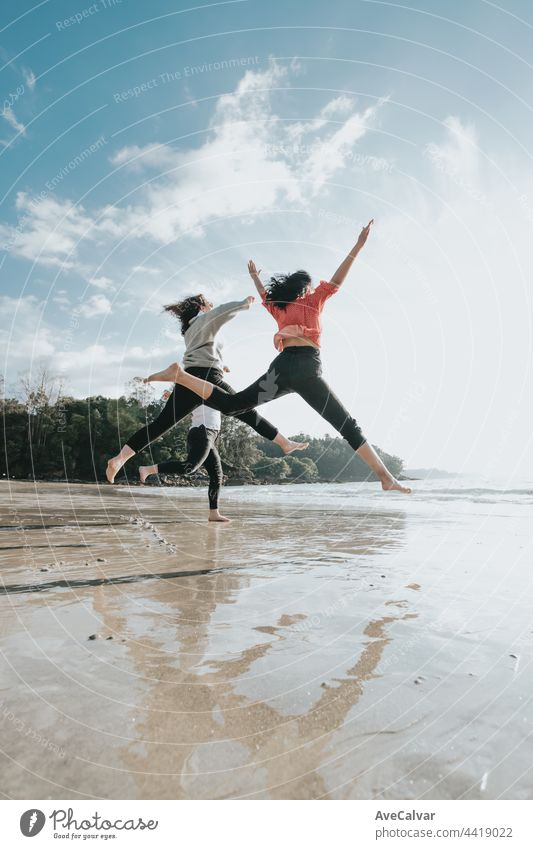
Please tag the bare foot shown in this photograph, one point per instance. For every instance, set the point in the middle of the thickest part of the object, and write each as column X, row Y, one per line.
column 295, row 446
column 389, row 484
column 215, row 516
column 178, row 373
column 113, row 467
column 146, row 471
column 115, row 464
column 288, row 445
column 168, row 375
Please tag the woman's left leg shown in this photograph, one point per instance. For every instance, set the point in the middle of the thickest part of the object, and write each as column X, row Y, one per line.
column 180, row 403
column 319, row 396
column 199, row 444
column 213, row 467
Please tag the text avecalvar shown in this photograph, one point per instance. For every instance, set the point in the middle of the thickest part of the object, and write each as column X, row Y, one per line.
column 404, row 815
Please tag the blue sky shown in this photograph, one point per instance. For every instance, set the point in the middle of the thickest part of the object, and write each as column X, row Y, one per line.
column 149, row 150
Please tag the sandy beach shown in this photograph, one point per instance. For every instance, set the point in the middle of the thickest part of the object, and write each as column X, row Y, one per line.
column 332, row 642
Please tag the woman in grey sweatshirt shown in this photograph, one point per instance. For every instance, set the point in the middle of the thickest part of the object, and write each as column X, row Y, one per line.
column 200, row 323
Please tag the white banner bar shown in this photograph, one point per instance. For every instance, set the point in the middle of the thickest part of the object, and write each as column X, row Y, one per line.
column 270, row 825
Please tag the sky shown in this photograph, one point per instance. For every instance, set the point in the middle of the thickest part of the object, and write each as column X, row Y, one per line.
column 147, row 151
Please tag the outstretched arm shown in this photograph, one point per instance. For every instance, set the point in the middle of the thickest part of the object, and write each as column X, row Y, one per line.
column 254, row 274
column 218, row 316
column 343, row 269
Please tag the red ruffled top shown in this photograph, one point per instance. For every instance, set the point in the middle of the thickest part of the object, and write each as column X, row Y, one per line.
column 301, row 318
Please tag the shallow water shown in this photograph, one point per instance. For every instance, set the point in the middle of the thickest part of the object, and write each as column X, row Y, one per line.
column 332, row 642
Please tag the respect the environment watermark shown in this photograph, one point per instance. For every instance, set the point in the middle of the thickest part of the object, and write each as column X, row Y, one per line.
column 77, row 160
column 51, row 185
column 186, row 72
column 26, row 730
column 84, row 14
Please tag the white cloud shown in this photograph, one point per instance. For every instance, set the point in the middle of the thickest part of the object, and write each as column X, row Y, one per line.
column 145, row 269
column 246, row 165
column 458, row 155
column 137, row 158
column 341, row 105
column 62, row 300
column 334, row 109
column 95, row 305
column 11, row 118
column 24, row 338
column 101, row 282
column 333, row 153
column 108, row 370
column 29, row 340
column 29, row 78
column 47, row 231
column 241, row 169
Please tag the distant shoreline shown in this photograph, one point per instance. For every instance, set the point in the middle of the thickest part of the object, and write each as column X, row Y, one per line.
column 194, row 483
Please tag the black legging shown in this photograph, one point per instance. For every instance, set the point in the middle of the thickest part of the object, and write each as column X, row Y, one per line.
column 296, row 369
column 183, row 401
column 201, row 451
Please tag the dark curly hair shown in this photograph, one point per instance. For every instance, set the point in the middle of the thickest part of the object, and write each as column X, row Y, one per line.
column 285, row 288
column 186, row 310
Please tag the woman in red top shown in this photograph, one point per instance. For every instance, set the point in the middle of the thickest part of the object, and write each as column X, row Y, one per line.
column 297, row 308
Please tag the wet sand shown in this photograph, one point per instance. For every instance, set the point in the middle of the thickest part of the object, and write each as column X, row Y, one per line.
column 378, row 649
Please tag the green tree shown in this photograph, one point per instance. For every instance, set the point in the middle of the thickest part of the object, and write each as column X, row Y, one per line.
column 47, row 434
column 272, row 469
column 302, row 469
column 237, row 444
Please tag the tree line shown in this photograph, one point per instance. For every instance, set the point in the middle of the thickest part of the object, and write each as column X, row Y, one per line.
column 51, row 436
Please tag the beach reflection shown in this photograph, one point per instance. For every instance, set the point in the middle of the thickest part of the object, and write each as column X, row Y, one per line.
column 264, row 667
column 336, row 645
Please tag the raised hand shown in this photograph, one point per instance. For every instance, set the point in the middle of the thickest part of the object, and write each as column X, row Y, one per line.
column 252, row 270
column 363, row 235
column 250, row 300
column 254, row 274
column 343, row 269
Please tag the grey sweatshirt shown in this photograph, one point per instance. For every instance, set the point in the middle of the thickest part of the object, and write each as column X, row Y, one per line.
column 200, row 346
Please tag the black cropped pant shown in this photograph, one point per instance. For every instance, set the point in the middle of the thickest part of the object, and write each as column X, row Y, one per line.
column 296, row 369
column 183, row 401
column 201, row 451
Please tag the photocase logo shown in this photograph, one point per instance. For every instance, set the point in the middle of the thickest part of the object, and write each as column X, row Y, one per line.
column 64, row 824
column 32, row 822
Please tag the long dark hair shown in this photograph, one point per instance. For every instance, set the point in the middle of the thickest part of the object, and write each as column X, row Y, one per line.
column 186, row 310
column 285, row 288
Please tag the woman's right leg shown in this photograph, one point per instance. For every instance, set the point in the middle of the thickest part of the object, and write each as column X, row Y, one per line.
column 319, row 396
column 266, row 388
column 367, row 453
column 180, row 403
